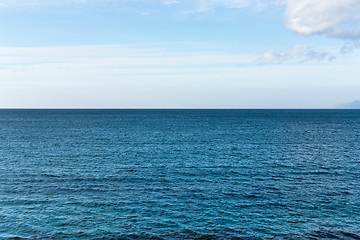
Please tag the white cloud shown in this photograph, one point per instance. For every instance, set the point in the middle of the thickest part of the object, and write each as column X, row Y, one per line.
column 334, row 18
column 296, row 53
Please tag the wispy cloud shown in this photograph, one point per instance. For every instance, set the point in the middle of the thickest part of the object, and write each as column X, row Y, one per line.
column 209, row 5
column 23, row 3
column 296, row 53
column 171, row 2
column 350, row 47
column 86, row 64
column 117, row 56
column 205, row 6
column 197, row 4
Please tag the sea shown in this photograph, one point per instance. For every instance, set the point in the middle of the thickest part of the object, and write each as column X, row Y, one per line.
column 179, row 174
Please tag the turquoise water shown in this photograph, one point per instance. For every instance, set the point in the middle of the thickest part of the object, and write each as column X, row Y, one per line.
column 180, row 174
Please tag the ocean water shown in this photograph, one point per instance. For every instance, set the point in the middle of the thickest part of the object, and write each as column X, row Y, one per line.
column 179, row 174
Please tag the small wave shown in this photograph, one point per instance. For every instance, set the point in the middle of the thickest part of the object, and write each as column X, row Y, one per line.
column 324, row 235
column 313, row 235
column 165, row 236
column 178, row 236
column 33, row 238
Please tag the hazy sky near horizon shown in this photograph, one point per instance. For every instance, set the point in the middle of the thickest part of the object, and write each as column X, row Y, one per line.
column 179, row 53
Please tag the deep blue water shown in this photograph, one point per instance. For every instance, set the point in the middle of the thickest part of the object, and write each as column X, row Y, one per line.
column 180, row 174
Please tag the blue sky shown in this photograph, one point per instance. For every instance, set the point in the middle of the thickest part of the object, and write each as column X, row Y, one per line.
column 179, row 53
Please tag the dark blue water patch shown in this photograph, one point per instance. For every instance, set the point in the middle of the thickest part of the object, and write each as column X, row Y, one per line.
column 325, row 234
column 179, row 174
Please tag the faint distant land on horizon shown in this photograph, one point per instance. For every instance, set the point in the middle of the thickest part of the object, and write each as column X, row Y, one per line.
column 351, row 105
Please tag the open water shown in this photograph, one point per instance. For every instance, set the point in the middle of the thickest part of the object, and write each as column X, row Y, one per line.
column 179, row 174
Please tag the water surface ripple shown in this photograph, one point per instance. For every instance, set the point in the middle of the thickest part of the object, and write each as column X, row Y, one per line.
column 179, row 174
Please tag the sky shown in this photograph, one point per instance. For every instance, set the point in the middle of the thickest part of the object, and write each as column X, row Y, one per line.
column 179, row 53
